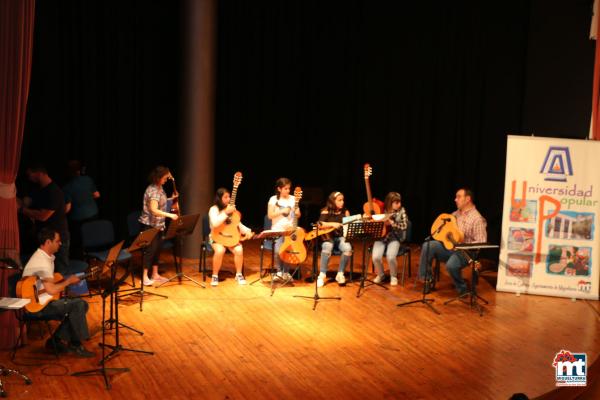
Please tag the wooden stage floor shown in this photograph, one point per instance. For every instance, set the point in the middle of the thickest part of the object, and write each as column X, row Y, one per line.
column 234, row 342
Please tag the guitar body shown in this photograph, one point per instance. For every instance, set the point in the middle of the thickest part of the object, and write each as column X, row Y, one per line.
column 449, row 234
column 228, row 233
column 27, row 289
column 292, row 250
column 375, row 207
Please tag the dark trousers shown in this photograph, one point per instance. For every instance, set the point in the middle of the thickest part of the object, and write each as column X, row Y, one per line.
column 74, row 327
column 151, row 253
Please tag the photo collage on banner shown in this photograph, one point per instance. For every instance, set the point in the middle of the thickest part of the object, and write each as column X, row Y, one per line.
column 550, row 218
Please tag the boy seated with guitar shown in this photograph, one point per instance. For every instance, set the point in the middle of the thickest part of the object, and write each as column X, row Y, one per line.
column 465, row 225
column 45, row 297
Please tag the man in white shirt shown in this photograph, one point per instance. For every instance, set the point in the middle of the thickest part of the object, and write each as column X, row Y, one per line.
column 73, row 328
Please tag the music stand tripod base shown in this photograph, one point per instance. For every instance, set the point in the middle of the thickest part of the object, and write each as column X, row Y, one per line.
column 315, row 297
column 365, row 230
column 428, row 277
column 183, row 226
column 141, row 242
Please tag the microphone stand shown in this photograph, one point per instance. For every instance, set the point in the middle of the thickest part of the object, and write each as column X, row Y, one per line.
column 428, row 274
column 316, row 296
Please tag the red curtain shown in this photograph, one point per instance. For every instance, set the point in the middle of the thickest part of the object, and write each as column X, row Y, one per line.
column 16, row 46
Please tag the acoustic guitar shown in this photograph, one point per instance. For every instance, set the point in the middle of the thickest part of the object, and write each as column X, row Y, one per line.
column 228, row 233
column 293, row 251
column 445, row 230
column 372, row 206
column 32, row 288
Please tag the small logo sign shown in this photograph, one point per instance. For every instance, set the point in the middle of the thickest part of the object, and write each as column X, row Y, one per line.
column 584, row 286
column 557, row 164
column 571, row 368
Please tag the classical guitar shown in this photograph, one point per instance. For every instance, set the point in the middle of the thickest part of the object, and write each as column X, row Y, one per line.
column 372, row 206
column 228, row 233
column 32, row 288
column 292, row 250
column 445, row 230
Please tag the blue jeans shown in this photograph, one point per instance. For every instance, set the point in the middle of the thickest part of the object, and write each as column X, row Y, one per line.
column 391, row 251
column 280, row 265
column 327, row 248
column 455, row 262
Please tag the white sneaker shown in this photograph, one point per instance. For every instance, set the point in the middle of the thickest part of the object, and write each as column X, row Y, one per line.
column 240, row 279
column 321, row 280
column 148, row 282
column 379, row 278
column 394, row 281
column 288, row 277
column 278, row 276
column 214, row 281
column 340, row 278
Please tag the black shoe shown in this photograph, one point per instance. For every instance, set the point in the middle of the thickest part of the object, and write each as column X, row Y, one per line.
column 56, row 345
column 80, row 351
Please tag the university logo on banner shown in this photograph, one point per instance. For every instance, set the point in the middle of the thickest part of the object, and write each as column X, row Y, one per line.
column 557, row 164
column 570, row 368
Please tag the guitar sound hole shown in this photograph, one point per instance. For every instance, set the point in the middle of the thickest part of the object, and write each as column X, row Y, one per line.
column 228, row 221
column 293, row 236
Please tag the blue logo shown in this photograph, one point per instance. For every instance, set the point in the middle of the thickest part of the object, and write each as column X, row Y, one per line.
column 570, row 368
column 557, row 164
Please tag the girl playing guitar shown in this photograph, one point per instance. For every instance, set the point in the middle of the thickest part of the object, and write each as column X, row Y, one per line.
column 218, row 215
column 281, row 211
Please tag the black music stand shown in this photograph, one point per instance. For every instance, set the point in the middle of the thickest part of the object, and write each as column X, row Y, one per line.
column 7, row 263
column 272, row 236
column 365, row 231
column 316, row 297
column 111, row 262
column 428, row 275
column 471, row 253
column 183, row 226
column 112, row 292
column 141, row 242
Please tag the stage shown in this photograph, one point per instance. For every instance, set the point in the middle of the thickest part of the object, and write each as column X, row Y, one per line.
column 239, row 342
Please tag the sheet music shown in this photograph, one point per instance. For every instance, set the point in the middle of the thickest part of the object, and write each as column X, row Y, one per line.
column 349, row 219
column 44, row 297
column 13, row 303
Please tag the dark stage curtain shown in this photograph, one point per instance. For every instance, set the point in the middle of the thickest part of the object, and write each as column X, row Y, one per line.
column 16, row 35
column 426, row 92
column 106, row 89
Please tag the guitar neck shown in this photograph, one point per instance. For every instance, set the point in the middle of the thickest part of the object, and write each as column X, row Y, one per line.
column 233, row 196
column 369, row 196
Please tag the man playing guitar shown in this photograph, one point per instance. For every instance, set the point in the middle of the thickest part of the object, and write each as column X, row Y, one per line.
column 470, row 227
column 73, row 329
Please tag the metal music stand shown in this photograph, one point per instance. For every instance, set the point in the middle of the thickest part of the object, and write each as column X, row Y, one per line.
column 7, row 263
column 183, row 226
column 365, row 231
column 141, row 242
column 316, row 297
column 111, row 291
column 272, row 235
column 471, row 253
column 111, row 262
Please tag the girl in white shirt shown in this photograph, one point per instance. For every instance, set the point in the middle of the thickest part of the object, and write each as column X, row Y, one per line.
column 218, row 214
column 281, row 212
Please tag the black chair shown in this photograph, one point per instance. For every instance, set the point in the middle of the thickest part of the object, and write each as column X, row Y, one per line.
column 24, row 317
column 97, row 238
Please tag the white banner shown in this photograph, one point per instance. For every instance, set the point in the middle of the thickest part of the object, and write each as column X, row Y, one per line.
column 550, row 224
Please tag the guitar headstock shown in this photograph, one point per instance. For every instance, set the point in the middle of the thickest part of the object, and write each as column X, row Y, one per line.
column 237, row 179
column 368, row 170
column 297, row 193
